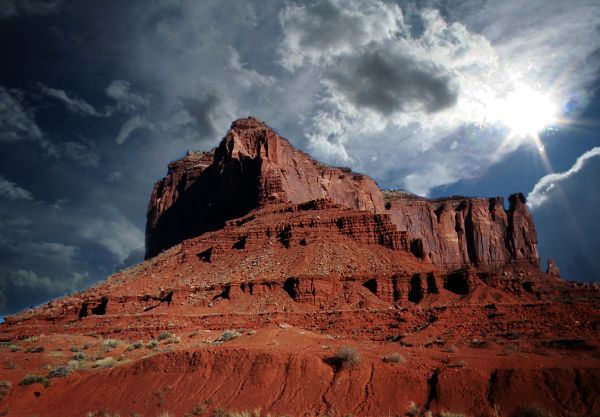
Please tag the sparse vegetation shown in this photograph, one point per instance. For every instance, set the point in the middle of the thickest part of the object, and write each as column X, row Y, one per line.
column 4, row 387
column 196, row 411
column 110, row 344
column 347, row 357
column 60, row 372
column 107, row 362
column 14, row 348
column 457, row 364
column 152, row 344
column 227, row 335
column 74, row 365
column 172, row 339
column 164, row 336
column 450, row 349
column 35, row 379
column 394, row 358
column 413, row 410
column 79, row 356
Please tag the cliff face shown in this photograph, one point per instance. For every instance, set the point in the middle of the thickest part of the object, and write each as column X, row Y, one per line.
column 254, row 167
column 457, row 232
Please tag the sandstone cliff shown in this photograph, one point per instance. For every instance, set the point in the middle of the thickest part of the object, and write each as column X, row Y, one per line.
column 254, row 167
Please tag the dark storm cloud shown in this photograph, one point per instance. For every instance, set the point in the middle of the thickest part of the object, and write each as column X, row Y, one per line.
column 14, row 8
column 11, row 191
column 388, row 83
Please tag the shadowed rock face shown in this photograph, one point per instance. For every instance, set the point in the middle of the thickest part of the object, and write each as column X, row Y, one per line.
column 253, row 167
column 455, row 232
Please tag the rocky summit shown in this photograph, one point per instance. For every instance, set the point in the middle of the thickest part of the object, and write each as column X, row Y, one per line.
column 273, row 282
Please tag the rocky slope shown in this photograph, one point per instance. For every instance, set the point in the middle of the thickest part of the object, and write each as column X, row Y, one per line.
column 344, row 300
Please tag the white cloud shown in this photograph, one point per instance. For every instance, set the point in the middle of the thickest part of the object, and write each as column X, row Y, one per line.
column 542, row 189
column 131, row 125
column 81, row 152
column 418, row 90
column 16, row 123
column 127, row 99
column 12, row 191
column 115, row 233
column 73, row 103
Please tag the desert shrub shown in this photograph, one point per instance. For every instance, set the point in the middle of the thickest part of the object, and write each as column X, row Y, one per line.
column 86, row 346
column 450, row 349
column 110, row 344
column 74, row 349
column 164, row 335
column 74, row 365
column 14, row 348
column 394, row 358
column 4, row 387
column 36, row 349
column 79, row 356
column 35, row 379
column 138, row 345
column 60, row 372
column 457, row 364
column 228, row 335
column 531, row 411
column 107, row 362
column 413, row 410
column 152, row 344
column 172, row 339
column 56, row 354
column 251, row 332
column 196, row 411
column 347, row 357
column 220, row 412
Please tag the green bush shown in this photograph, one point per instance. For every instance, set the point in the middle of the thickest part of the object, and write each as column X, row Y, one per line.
column 164, row 335
column 110, row 345
column 228, row 335
column 152, row 344
column 35, row 379
column 79, row 356
column 60, row 372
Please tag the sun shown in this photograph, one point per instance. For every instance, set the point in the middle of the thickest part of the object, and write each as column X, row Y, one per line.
column 524, row 111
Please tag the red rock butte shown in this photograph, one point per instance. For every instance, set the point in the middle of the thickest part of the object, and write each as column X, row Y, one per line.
column 277, row 283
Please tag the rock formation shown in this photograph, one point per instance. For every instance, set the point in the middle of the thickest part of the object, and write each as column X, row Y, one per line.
column 306, row 261
column 254, row 166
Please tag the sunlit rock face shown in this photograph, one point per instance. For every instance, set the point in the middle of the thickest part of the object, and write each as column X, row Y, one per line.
column 253, row 167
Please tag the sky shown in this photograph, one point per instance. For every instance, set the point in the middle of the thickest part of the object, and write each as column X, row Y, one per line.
column 439, row 97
